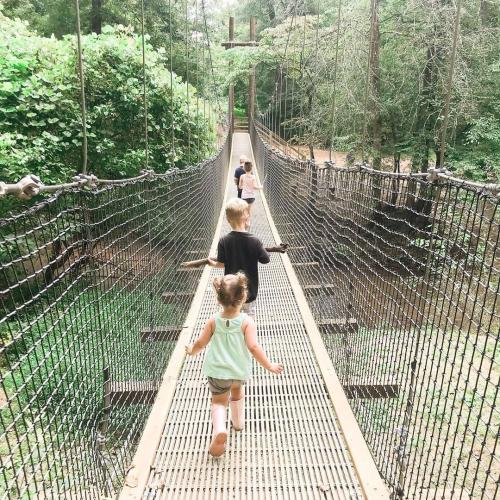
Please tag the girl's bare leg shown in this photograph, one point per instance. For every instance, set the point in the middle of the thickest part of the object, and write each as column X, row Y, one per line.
column 218, row 444
column 247, row 225
column 238, row 406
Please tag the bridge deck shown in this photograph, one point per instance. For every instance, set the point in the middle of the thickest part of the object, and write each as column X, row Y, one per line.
column 292, row 446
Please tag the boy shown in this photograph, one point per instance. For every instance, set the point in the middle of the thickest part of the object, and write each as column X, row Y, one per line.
column 241, row 251
column 239, row 172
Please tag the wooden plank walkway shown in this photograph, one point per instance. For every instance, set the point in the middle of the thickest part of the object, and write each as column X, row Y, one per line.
column 293, row 445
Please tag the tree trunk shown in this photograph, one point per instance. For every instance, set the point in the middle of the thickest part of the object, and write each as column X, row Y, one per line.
column 396, row 162
column 96, row 13
column 270, row 11
column 437, row 152
column 486, row 12
column 420, row 161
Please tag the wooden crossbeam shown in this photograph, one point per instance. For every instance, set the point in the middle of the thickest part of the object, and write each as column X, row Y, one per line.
column 337, row 322
column 338, row 325
column 176, row 297
column 230, row 45
column 372, row 391
column 132, row 392
column 328, row 289
column 160, row 333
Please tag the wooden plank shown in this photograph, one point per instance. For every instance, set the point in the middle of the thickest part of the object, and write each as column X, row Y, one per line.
column 189, row 270
column 130, row 392
column 176, row 297
column 327, row 289
column 337, row 321
column 372, row 391
column 333, row 326
column 230, row 45
column 160, row 333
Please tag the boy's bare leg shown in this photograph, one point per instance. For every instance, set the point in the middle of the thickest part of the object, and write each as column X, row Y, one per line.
column 238, row 406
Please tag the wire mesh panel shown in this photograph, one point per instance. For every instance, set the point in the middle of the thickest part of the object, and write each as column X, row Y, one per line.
column 92, row 303
column 402, row 274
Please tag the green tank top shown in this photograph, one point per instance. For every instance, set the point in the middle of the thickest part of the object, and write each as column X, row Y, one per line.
column 227, row 355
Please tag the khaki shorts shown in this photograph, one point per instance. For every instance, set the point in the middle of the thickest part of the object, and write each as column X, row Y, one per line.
column 249, row 308
column 220, row 386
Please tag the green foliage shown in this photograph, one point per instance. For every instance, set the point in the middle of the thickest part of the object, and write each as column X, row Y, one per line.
column 40, row 129
column 297, row 51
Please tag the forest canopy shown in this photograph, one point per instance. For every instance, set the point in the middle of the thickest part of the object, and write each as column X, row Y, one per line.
column 369, row 77
column 343, row 69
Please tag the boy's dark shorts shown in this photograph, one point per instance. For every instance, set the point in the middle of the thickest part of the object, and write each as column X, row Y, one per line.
column 249, row 200
column 219, row 386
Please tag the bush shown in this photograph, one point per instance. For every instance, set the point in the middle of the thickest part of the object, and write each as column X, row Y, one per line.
column 40, row 120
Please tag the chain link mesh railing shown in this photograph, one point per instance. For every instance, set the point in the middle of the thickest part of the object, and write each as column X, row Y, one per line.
column 402, row 275
column 92, row 304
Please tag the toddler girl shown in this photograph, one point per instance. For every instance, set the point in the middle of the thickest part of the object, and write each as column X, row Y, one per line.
column 228, row 364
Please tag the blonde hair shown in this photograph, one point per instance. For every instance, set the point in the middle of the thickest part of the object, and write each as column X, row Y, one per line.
column 248, row 166
column 231, row 289
column 235, row 209
column 243, row 158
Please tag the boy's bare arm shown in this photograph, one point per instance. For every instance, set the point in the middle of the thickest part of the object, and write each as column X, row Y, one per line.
column 203, row 339
column 256, row 350
column 212, row 261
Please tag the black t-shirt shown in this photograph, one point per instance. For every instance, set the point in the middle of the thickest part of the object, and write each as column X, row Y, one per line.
column 242, row 252
column 238, row 173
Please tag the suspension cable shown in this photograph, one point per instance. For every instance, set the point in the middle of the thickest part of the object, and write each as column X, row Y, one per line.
column 187, row 82
column 335, row 71
column 144, row 91
column 82, row 89
column 367, row 80
column 172, row 148
column 449, row 84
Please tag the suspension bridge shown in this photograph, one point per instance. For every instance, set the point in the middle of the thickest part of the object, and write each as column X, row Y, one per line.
column 384, row 312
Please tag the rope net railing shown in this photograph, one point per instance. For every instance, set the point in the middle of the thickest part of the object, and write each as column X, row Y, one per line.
column 93, row 301
column 402, row 275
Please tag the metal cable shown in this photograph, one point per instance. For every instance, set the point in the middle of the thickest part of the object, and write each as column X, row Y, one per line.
column 144, row 92
column 82, row 88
